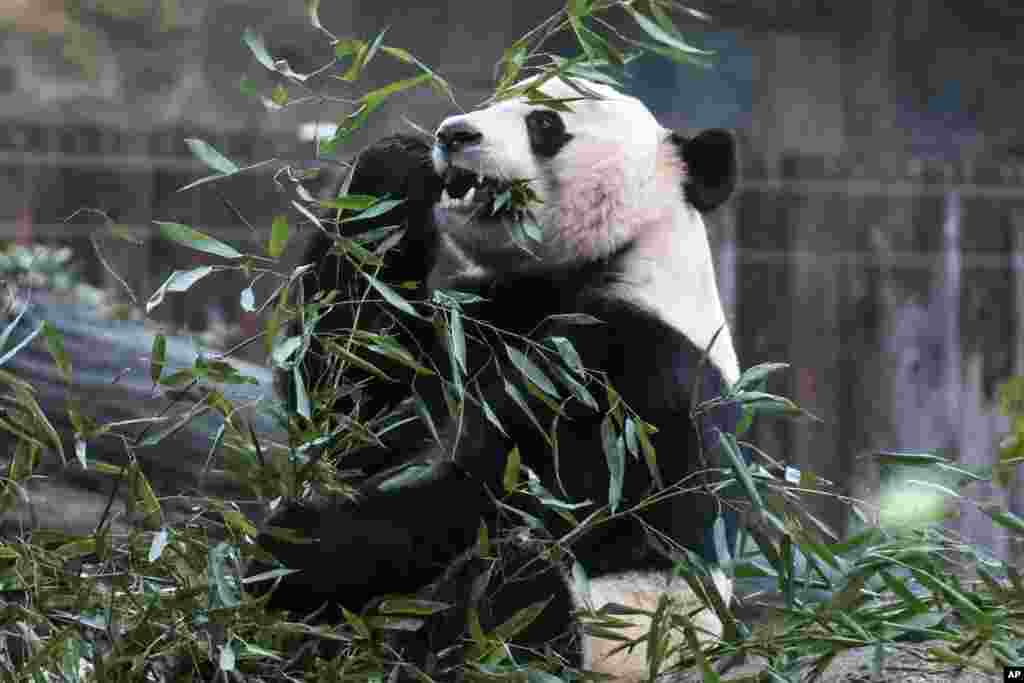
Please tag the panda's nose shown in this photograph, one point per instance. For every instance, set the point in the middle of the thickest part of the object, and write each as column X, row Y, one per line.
column 455, row 134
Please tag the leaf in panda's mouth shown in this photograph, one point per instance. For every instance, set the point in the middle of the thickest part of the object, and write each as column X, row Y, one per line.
column 468, row 191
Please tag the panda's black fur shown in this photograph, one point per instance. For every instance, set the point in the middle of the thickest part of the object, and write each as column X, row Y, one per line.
column 398, row 167
column 420, row 536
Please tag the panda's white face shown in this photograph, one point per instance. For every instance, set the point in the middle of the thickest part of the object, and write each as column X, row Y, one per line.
column 593, row 169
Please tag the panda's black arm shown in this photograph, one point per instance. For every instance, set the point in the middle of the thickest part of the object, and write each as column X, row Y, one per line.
column 398, row 167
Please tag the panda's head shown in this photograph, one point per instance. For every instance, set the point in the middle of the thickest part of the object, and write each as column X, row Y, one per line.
column 613, row 185
column 606, row 174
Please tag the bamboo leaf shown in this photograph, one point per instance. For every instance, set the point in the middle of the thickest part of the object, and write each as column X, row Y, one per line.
column 531, row 371
column 259, row 50
column 157, row 357
column 615, row 455
column 279, row 233
column 192, row 238
column 391, row 296
column 206, row 153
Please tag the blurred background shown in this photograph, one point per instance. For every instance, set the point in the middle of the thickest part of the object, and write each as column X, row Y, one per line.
column 875, row 242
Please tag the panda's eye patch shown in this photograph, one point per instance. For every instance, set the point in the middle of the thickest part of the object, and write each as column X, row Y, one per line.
column 547, row 132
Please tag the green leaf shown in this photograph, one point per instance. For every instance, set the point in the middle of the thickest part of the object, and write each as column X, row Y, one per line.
column 423, row 412
column 313, row 12
column 279, row 95
column 531, row 371
column 458, row 338
column 573, row 319
column 578, row 8
column 615, row 453
column 284, row 350
column 391, row 296
column 912, row 459
column 489, row 412
column 378, row 209
column 157, row 357
column 350, row 202
column 211, row 157
column 55, row 345
column 279, row 232
column 483, row 540
column 579, row 391
column 409, row 476
column 174, row 427
column 247, row 87
column 411, row 606
column 226, row 661
column 512, row 63
column 374, row 45
column 1004, row 518
column 375, row 98
column 643, row 433
column 520, row 620
column 20, row 345
column 436, row 81
column 192, row 238
column 513, row 392
column 763, row 403
column 345, row 354
column 732, row 452
column 965, row 606
column 6, row 334
column 302, row 403
column 259, row 50
column 354, row 48
column 178, row 281
column 389, row 349
column 677, row 56
column 568, row 353
column 751, row 377
column 657, row 33
column 945, row 490
column 510, row 480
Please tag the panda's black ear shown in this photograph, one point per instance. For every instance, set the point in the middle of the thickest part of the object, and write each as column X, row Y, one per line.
column 711, row 167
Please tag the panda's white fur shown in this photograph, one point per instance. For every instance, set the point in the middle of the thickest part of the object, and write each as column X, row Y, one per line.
column 616, row 182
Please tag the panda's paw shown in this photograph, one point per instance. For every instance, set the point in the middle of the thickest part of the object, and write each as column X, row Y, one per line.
column 338, row 555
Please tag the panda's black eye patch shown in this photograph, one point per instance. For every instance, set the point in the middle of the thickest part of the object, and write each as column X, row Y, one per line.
column 547, row 132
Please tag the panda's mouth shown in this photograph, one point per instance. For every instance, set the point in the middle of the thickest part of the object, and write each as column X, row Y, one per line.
column 468, row 191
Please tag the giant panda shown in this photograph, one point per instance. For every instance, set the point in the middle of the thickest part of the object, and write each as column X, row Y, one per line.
column 624, row 271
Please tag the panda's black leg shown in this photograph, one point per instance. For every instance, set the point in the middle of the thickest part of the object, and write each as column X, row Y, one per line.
column 398, row 538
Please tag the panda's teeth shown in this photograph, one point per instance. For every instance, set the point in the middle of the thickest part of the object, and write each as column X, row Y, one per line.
column 467, row 199
column 446, row 199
